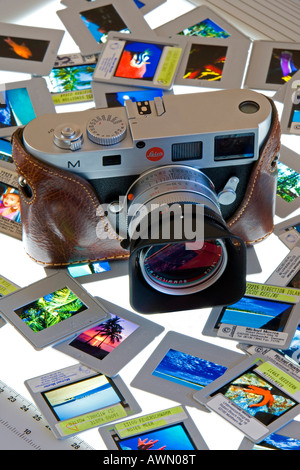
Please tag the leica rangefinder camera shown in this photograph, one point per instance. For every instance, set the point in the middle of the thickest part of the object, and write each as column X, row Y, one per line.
column 169, row 173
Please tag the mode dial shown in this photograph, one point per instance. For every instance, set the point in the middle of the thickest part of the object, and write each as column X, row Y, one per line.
column 106, row 129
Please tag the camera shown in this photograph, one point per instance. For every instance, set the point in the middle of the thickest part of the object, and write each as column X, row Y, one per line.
column 169, row 172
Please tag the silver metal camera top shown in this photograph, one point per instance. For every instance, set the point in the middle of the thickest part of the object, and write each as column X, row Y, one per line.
column 195, row 129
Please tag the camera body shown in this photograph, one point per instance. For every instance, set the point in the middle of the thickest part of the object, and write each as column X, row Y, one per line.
column 189, row 151
column 218, row 132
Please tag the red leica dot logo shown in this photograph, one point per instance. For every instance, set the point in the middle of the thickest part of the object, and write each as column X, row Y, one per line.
column 154, row 154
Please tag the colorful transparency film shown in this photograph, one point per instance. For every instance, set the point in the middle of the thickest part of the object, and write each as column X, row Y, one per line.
column 73, row 78
column 283, row 65
column 50, row 310
column 79, row 270
column 101, row 20
column 82, row 397
column 10, row 203
column 188, row 370
column 173, row 437
column 15, row 108
column 256, row 396
column 139, row 60
column 23, row 48
column 288, row 183
column 257, row 313
column 278, row 442
column 293, row 352
column 206, row 62
column 206, row 28
column 295, row 115
column 102, row 339
column 5, row 151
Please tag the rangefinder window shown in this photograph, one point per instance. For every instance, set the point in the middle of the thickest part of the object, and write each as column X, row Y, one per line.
column 233, row 146
column 186, row 151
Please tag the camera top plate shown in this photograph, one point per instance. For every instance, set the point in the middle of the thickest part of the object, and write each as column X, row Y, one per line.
column 206, row 130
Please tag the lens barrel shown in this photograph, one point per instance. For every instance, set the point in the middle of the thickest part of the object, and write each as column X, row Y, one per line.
column 182, row 255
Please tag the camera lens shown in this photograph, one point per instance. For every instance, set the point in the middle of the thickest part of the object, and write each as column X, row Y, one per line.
column 167, row 185
column 179, row 265
column 183, row 268
column 182, row 255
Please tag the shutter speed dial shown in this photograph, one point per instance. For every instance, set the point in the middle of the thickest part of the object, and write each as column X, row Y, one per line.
column 106, row 129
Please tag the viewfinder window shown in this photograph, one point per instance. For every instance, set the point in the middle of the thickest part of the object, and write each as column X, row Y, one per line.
column 233, row 146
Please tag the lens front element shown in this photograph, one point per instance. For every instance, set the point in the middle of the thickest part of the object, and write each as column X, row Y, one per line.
column 183, row 268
